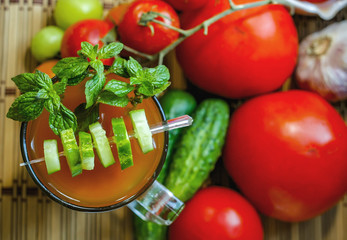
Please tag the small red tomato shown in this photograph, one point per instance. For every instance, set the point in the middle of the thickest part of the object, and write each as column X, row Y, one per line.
column 217, row 213
column 90, row 30
column 287, row 152
column 186, row 5
column 151, row 37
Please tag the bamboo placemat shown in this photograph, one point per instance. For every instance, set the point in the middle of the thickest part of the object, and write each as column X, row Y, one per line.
column 25, row 213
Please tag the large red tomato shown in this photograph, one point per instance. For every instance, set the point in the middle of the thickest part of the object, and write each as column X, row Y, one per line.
column 287, row 152
column 152, row 37
column 246, row 53
column 186, row 5
column 217, row 213
column 90, row 30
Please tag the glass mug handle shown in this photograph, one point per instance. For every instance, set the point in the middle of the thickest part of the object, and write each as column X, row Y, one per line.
column 157, row 205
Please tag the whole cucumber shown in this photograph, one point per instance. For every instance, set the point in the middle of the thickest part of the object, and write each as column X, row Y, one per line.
column 195, row 155
column 194, row 158
column 199, row 148
column 175, row 103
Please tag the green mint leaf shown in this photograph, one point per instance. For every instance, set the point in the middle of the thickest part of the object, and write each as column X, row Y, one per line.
column 43, row 80
column 158, row 75
column 85, row 117
column 76, row 80
column 136, row 80
column 110, row 50
column 134, row 68
column 160, row 89
column 119, row 67
column 93, row 87
column 70, row 67
column 62, row 119
column 88, row 50
column 119, row 88
column 49, row 106
column 146, row 88
column 42, row 94
column 109, row 98
column 98, row 66
column 53, row 104
column 26, row 107
column 60, row 87
column 26, row 82
column 152, row 81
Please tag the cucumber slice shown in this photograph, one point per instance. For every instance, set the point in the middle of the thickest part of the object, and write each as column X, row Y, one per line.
column 50, row 149
column 71, row 151
column 122, row 141
column 101, row 144
column 142, row 130
column 86, row 150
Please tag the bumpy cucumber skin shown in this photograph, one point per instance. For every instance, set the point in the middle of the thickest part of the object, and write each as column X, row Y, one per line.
column 86, row 150
column 101, row 144
column 148, row 230
column 199, row 148
column 123, row 144
column 192, row 155
column 71, row 151
column 175, row 103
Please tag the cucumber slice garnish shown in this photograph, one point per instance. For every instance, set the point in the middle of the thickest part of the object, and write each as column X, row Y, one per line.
column 86, row 150
column 123, row 144
column 50, row 148
column 141, row 129
column 71, row 151
column 101, row 144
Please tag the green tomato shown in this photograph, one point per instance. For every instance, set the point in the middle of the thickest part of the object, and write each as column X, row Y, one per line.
column 46, row 43
column 68, row 12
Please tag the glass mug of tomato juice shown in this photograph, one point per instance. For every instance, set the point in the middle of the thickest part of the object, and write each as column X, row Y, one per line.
column 104, row 189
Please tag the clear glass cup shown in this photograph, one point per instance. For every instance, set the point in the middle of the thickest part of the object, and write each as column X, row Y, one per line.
column 151, row 201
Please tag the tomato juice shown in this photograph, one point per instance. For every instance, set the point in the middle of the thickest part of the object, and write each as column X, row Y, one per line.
column 100, row 187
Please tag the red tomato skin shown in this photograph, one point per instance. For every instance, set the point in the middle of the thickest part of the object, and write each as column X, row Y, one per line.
column 90, row 30
column 246, row 53
column 287, row 153
column 140, row 37
column 186, row 5
column 217, row 213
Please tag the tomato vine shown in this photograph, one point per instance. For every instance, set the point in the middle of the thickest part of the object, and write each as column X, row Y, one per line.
column 151, row 17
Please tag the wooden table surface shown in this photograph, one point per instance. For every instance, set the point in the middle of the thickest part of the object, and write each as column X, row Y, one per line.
column 25, row 213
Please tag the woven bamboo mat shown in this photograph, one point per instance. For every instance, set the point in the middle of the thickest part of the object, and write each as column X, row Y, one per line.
column 25, row 213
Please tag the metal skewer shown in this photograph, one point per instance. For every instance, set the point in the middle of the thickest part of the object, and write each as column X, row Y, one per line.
column 179, row 122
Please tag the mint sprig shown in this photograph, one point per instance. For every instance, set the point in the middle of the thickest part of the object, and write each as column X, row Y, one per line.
column 39, row 91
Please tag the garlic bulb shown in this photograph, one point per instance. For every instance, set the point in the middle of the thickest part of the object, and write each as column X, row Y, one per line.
column 322, row 62
column 326, row 9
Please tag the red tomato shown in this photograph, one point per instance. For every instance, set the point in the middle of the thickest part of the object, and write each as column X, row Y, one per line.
column 246, row 53
column 116, row 14
column 287, row 153
column 186, row 5
column 90, row 30
column 217, row 213
column 153, row 37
